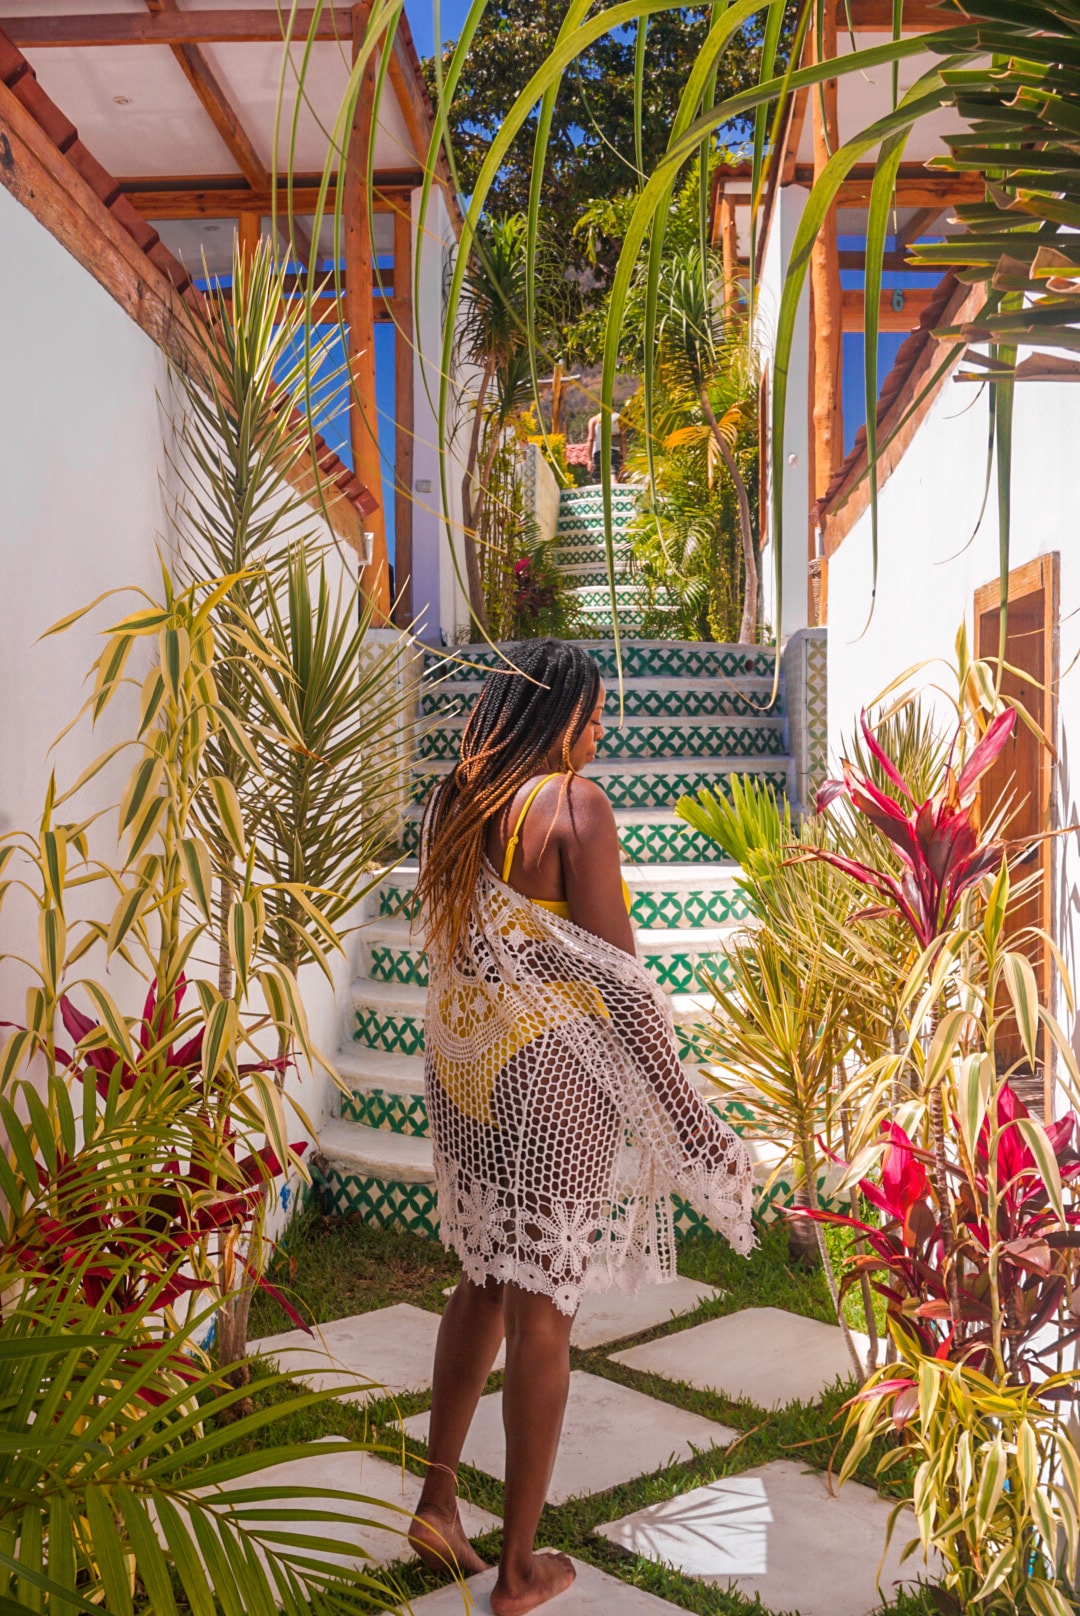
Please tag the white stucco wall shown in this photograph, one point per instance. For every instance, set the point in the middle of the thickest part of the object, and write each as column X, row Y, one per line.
column 790, row 203
column 928, row 573
column 81, row 511
column 439, row 602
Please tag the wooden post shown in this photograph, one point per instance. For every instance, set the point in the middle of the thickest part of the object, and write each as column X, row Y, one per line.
column 404, row 413
column 360, row 315
column 249, row 231
column 729, row 248
column 826, row 302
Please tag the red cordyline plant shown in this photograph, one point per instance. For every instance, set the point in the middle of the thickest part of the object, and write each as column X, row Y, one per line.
column 942, row 856
column 142, row 1256
column 936, row 841
column 1024, row 1237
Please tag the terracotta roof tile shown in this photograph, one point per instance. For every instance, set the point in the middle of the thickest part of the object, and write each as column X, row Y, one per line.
column 13, row 64
column 100, row 181
column 19, row 77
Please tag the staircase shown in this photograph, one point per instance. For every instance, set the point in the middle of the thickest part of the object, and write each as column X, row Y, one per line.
column 693, row 717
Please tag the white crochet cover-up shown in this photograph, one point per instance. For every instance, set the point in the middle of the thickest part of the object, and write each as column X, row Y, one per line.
column 560, row 1115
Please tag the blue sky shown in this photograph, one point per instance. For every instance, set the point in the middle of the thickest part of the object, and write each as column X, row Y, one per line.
column 421, row 15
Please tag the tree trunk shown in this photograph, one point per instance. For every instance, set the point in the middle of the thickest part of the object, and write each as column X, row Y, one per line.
column 748, row 626
column 470, row 514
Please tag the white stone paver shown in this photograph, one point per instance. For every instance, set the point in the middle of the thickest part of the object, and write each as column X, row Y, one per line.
column 777, row 1532
column 612, row 1315
column 610, row 1434
column 593, row 1593
column 764, row 1353
column 377, row 1534
column 392, row 1349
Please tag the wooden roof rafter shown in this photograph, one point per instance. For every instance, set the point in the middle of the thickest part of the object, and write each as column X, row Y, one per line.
column 196, row 68
column 192, row 26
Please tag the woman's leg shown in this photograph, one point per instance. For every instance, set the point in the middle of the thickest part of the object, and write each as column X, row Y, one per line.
column 534, row 1400
column 469, row 1338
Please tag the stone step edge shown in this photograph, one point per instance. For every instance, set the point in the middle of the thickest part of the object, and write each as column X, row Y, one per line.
column 736, row 763
column 390, row 999
column 397, row 932
column 724, row 871
column 355, row 1148
column 636, row 721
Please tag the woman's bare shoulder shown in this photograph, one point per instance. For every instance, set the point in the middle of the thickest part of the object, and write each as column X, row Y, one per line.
column 587, row 811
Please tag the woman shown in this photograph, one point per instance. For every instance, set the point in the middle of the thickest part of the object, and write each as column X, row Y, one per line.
column 560, row 1115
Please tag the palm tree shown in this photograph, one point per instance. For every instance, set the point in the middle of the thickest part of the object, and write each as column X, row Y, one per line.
column 492, row 337
column 704, row 403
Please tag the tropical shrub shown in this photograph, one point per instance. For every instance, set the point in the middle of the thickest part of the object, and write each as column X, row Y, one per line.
column 137, row 1151
column 307, row 705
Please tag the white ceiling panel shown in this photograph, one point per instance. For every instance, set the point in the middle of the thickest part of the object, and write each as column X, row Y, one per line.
column 159, row 128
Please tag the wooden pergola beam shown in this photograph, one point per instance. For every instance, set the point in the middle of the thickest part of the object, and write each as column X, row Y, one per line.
column 826, row 318
column 914, row 302
column 918, row 226
column 916, row 186
column 404, row 418
column 876, row 17
column 363, row 411
column 196, row 68
column 199, row 199
column 190, row 27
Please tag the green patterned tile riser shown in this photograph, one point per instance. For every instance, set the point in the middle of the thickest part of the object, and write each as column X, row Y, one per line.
column 395, row 901
column 407, row 1113
column 659, row 788
column 653, row 907
column 677, row 971
column 576, row 554
column 639, row 701
column 405, row 965
column 648, row 659
column 395, row 1113
column 669, row 842
column 404, row 1035
column 387, row 1203
column 393, row 1034
column 394, row 1204
column 653, row 740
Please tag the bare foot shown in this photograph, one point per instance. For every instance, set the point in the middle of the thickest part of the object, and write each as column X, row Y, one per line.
column 441, row 1544
column 549, row 1574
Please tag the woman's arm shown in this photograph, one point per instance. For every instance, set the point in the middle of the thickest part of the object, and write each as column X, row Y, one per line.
column 589, row 849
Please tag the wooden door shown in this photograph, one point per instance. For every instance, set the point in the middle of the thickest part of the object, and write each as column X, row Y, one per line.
column 1021, row 779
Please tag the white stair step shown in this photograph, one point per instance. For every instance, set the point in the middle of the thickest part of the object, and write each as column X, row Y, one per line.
column 603, row 767
column 349, row 1147
column 362, row 1068
column 654, row 939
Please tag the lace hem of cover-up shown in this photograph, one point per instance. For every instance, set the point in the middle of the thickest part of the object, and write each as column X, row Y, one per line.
column 561, row 1118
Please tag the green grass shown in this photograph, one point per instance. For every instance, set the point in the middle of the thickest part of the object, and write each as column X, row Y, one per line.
column 331, row 1267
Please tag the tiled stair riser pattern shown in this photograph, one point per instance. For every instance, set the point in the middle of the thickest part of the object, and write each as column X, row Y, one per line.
column 696, row 714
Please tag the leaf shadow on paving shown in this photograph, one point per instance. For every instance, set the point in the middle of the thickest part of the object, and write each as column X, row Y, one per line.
column 331, row 1267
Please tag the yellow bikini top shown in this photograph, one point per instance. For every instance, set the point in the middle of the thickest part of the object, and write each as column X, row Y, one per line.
column 555, row 906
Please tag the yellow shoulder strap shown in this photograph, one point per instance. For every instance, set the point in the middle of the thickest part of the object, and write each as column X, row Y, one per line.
column 511, row 846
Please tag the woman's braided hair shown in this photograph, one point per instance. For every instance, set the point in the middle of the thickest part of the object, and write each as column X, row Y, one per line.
column 518, row 718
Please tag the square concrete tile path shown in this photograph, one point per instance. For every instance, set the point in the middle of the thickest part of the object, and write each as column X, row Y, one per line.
column 377, row 1534
column 393, row 1347
column 610, row 1434
column 594, row 1593
column 764, row 1353
column 612, row 1315
column 778, row 1533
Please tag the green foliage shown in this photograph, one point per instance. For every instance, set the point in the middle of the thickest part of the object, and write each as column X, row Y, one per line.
column 591, row 144
column 315, row 780
column 124, row 1188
